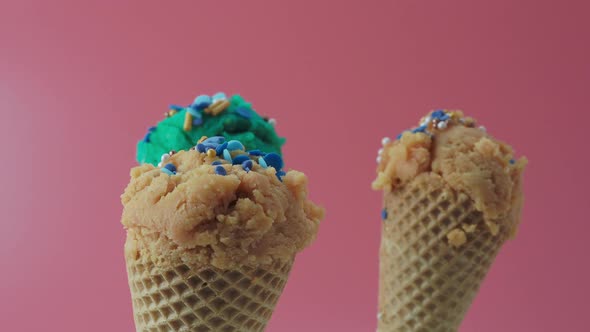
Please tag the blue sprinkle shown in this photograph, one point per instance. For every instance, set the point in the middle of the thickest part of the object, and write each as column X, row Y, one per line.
column 146, row 138
column 218, row 96
column 216, row 162
column 255, row 153
column 274, row 160
column 235, row 145
column 201, row 148
column 197, row 121
column 227, row 155
column 247, row 165
column 176, row 108
column 170, row 167
column 262, row 163
column 383, row 214
column 399, row 136
column 201, row 102
column 440, row 115
column 240, row 159
column 243, row 112
column 512, row 161
column 193, row 111
column 420, row 129
column 220, row 148
column 215, row 140
column 152, row 129
column 219, row 170
column 280, row 175
column 167, row 171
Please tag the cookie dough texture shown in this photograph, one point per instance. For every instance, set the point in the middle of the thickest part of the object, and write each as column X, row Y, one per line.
column 468, row 160
column 200, row 218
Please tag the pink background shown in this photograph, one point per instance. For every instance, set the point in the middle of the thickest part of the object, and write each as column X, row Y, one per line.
column 80, row 83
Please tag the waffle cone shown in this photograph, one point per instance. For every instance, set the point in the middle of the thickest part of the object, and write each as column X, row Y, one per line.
column 427, row 283
column 179, row 297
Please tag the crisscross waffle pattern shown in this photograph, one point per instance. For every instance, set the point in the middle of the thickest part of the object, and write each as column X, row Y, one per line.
column 425, row 283
column 182, row 298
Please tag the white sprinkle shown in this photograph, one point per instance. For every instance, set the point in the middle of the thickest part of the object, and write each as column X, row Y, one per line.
column 441, row 125
column 379, row 315
column 380, row 151
column 482, row 128
column 165, row 157
column 378, row 159
column 272, row 121
column 385, row 140
column 160, row 164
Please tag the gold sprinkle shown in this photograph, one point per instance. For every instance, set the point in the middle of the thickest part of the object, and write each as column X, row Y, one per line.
column 188, row 122
column 202, row 139
column 170, row 113
column 218, row 107
column 456, row 238
column 211, row 153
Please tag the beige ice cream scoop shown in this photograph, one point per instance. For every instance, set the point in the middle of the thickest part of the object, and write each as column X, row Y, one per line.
column 452, row 196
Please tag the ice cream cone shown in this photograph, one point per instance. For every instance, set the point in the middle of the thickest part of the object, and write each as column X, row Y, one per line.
column 452, row 197
column 211, row 238
column 426, row 282
column 181, row 297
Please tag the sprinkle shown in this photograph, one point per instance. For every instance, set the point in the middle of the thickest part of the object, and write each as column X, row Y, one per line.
column 239, row 159
column 201, row 148
column 385, row 140
column 512, row 161
column 380, row 151
column 170, row 167
column 220, row 170
column 172, row 152
column 193, row 111
column 227, row 155
column 425, row 121
column 216, row 162
column 202, row 139
column 219, row 149
column 211, row 153
column 197, row 121
column 274, row 160
column 247, row 165
column 378, row 159
column 272, row 121
column 399, row 136
column 214, row 140
column 262, row 163
column 175, row 108
column 482, row 128
column 188, row 122
column 201, row 102
column 235, row 145
column 280, row 175
column 167, row 171
column 152, row 129
column 146, row 138
column 420, row 129
column 442, row 125
column 439, row 115
column 165, row 157
column 383, row 214
column 217, row 107
column 243, row 112
column 160, row 164
column 255, row 153
column 218, row 96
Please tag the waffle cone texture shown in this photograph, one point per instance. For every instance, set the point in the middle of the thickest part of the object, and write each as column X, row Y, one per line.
column 426, row 283
column 181, row 297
